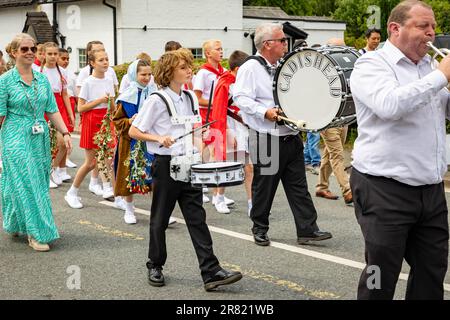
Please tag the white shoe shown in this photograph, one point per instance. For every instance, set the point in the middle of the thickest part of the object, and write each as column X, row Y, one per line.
column 221, row 207
column 205, row 199
column 119, row 203
column 56, row 178
column 172, row 221
column 73, row 201
column 108, row 192
column 228, row 202
column 64, row 176
column 53, row 185
column 96, row 189
column 205, row 190
column 129, row 218
column 70, row 164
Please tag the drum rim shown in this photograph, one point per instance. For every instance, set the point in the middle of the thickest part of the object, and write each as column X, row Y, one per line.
column 236, row 165
column 284, row 59
column 223, row 184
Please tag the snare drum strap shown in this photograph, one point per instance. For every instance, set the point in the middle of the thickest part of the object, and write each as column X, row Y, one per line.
column 270, row 70
column 171, row 107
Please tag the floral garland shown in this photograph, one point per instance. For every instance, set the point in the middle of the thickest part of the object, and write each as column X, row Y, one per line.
column 139, row 180
column 105, row 139
column 53, row 140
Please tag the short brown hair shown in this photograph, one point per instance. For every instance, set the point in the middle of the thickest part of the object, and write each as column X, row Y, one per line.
column 237, row 58
column 401, row 11
column 144, row 56
column 167, row 64
column 172, row 45
column 91, row 43
column 142, row 63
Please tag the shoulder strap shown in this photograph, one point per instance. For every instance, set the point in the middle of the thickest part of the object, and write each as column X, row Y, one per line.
column 262, row 61
column 193, row 99
column 167, row 101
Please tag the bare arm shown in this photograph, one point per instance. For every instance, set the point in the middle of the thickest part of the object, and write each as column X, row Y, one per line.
column 137, row 134
column 202, row 102
column 68, row 106
column 84, row 106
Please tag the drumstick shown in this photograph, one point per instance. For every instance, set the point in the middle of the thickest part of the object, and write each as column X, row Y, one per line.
column 192, row 131
column 209, row 102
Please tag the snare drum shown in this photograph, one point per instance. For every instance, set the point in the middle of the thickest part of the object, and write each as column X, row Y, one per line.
column 217, row 174
column 312, row 85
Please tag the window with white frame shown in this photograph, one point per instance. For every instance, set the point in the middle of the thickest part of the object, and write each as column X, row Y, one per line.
column 197, row 52
column 82, row 59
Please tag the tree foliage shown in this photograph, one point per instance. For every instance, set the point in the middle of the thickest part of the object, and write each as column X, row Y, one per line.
column 356, row 13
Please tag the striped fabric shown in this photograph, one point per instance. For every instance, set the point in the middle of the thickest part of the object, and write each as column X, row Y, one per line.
column 26, row 205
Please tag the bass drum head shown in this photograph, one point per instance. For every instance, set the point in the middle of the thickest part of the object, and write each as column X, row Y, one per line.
column 308, row 87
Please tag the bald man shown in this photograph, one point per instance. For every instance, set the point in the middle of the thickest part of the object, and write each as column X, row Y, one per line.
column 333, row 157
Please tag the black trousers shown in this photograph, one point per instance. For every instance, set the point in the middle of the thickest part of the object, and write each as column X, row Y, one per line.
column 400, row 221
column 286, row 164
column 166, row 192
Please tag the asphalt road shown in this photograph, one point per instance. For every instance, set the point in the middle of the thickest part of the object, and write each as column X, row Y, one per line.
column 100, row 257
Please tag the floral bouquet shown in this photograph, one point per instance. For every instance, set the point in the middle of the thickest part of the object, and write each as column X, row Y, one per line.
column 139, row 163
column 105, row 140
column 53, row 140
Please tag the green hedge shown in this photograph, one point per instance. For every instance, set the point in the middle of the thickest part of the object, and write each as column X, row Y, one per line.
column 121, row 69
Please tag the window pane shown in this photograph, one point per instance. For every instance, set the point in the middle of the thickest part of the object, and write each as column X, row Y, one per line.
column 82, row 61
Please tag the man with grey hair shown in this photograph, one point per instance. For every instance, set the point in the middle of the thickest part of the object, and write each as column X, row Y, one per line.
column 399, row 158
column 253, row 94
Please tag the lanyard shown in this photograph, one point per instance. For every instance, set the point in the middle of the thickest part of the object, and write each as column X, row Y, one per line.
column 33, row 106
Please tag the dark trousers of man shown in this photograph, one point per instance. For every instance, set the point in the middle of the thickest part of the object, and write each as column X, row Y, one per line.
column 291, row 171
column 400, row 221
column 166, row 192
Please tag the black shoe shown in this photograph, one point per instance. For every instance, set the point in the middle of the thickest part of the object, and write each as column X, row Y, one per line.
column 315, row 236
column 156, row 277
column 222, row 277
column 261, row 239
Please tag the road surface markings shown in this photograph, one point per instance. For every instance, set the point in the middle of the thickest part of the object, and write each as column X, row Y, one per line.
column 279, row 245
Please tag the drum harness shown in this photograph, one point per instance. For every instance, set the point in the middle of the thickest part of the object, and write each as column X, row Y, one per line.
column 180, row 166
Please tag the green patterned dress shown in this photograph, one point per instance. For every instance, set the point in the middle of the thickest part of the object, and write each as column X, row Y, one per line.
column 26, row 205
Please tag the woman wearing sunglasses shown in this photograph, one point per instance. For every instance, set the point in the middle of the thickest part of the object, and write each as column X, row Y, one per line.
column 25, row 95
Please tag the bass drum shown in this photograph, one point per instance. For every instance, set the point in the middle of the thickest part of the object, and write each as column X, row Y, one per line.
column 312, row 85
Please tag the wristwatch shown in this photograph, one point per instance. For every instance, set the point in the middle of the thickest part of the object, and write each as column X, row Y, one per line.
column 66, row 134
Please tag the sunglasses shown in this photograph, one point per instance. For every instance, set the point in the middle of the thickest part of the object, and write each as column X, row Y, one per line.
column 26, row 49
column 282, row 40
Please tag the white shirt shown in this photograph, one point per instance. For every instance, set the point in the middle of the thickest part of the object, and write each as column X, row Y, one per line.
column 54, row 78
column 96, row 88
column 253, row 94
column 71, row 83
column 154, row 118
column 125, row 83
column 84, row 74
column 401, row 109
column 203, row 81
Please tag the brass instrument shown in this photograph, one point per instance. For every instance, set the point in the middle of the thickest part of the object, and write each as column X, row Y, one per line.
column 443, row 52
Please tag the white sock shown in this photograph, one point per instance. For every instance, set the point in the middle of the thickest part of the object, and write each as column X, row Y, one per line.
column 220, row 198
column 117, row 199
column 73, row 191
column 94, row 181
column 129, row 206
column 61, row 170
column 106, row 185
column 250, row 204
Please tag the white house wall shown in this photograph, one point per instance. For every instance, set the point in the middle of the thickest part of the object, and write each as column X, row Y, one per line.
column 12, row 21
column 188, row 22
column 82, row 22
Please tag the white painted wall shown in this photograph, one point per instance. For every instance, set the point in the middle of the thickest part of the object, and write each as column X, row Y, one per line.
column 82, row 22
column 188, row 22
column 12, row 21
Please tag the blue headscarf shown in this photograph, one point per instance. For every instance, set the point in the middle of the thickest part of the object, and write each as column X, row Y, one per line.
column 131, row 94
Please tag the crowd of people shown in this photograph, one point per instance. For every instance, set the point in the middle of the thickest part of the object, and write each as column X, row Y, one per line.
column 129, row 136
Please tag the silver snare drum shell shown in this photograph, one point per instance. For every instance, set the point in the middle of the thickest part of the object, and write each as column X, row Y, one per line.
column 217, row 174
column 312, row 85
